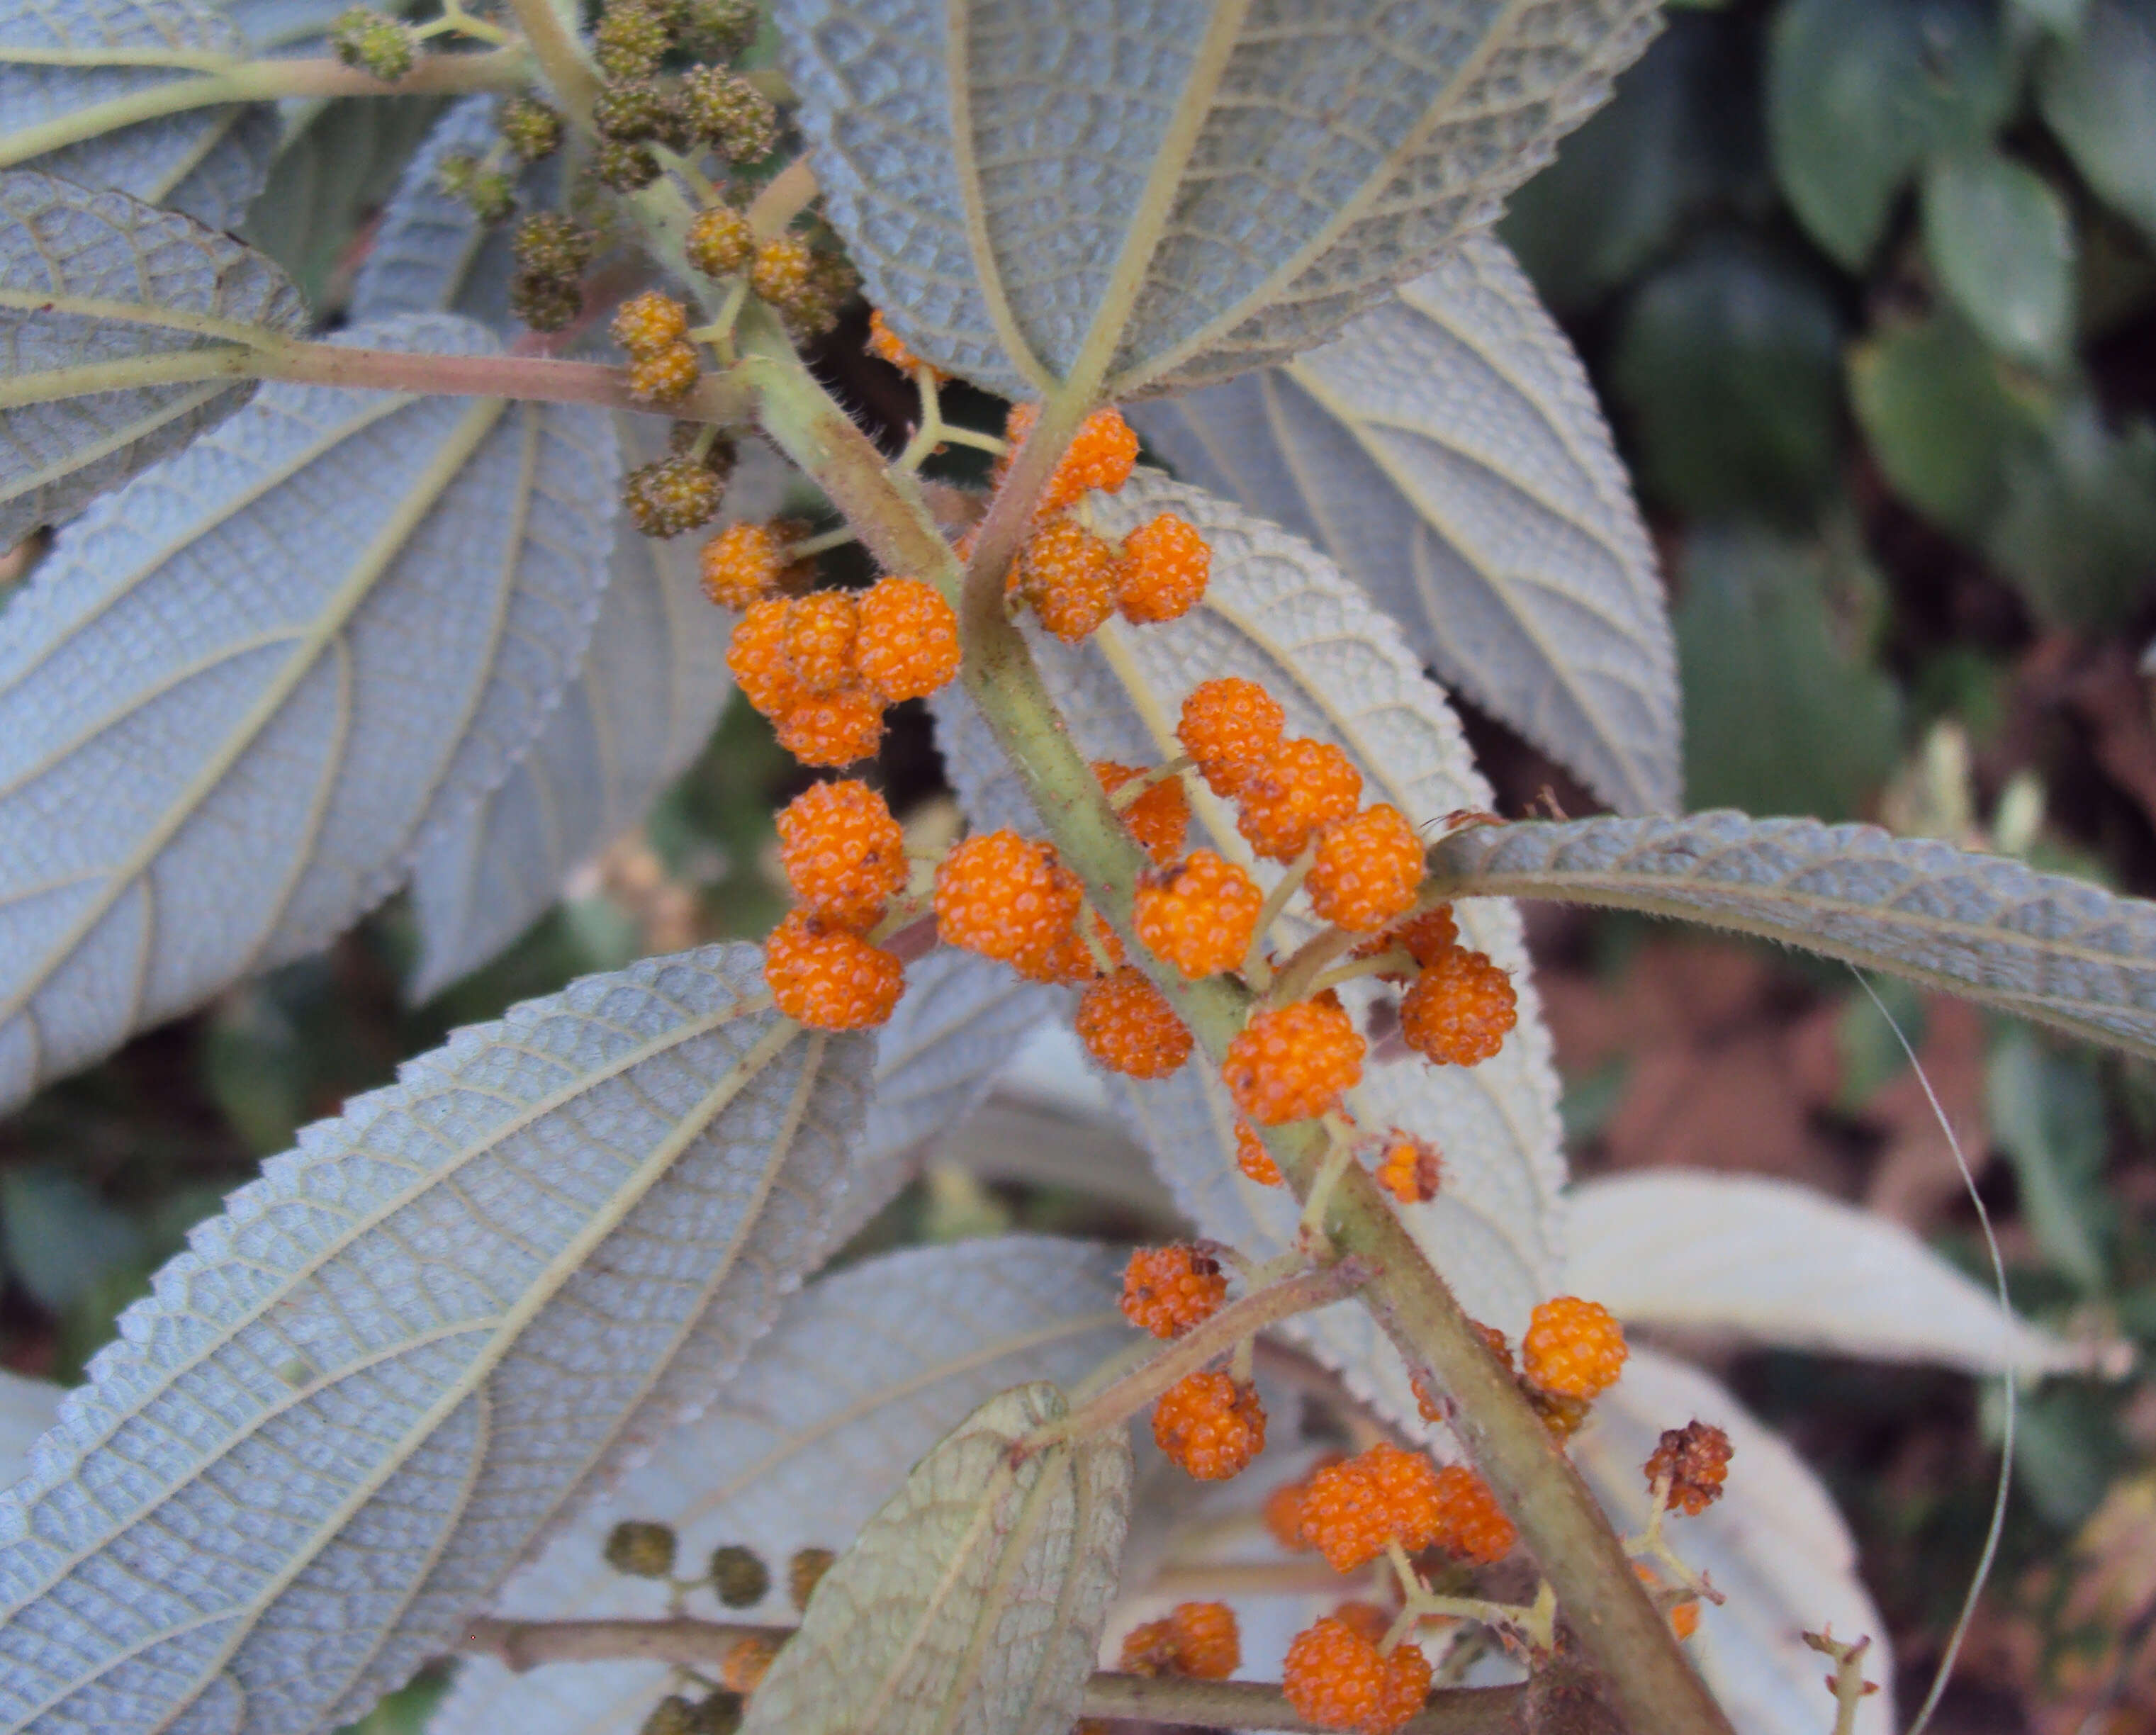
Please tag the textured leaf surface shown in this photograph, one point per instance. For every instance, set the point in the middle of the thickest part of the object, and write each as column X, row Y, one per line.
column 62, row 59
column 1175, row 193
column 864, row 1372
column 1774, row 1543
column 93, row 279
column 971, row 1602
column 1447, row 451
column 241, row 692
column 1280, row 614
column 372, row 1385
column 1782, row 1264
column 2055, row 949
column 634, row 719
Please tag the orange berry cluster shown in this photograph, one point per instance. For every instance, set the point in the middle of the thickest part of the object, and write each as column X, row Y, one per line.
column 653, row 327
column 1169, row 1289
column 1696, row 1458
column 1336, row 1676
column 1199, row 1640
column 1209, row 1426
column 844, row 858
column 885, row 345
column 824, row 666
column 1073, row 579
column 1350, row 1511
column 1573, row 1348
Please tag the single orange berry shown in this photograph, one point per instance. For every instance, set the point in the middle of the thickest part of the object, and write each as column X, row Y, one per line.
column 1470, row 1521
column 1209, row 1426
column 832, row 729
column 742, row 563
column 1409, row 1170
column 666, row 375
column 885, row 345
column 829, row 978
column 821, row 629
column 1684, row 1619
column 1304, row 787
column 1100, row 455
column 1128, row 1026
column 1368, row 869
column 1005, row 896
column 1573, row 1348
column 1163, row 571
column 756, row 656
column 1158, row 819
column 1231, row 728
column 1696, row 1458
column 1068, row 576
column 1336, row 1676
column 1460, row 1009
column 1169, row 1289
column 744, row 1664
column 1201, row 916
column 1253, row 1158
column 844, row 855
column 646, row 324
column 1291, row 1062
column 907, row 646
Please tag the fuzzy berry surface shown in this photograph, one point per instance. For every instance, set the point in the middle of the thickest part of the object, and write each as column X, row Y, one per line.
column 885, row 345
column 1573, row 1348
column 756, row 658
column 843, row 853
column 1696, row 1458
column 1005, row 896
column 1169, row 1289
column 908, row 645
column 1459, row 1011
column 1470, row 1521
column 1304, row 787
column 1231, row 728
column 666, row 376
column 1201, row 916
column 670, row 496
column 783, row 270
column 647, row 323
column 1336, row 1676
column 1208, row 1426
column 821, row 629
column 1291, row 1062
column 832, row 729
column 1253, row 1158
column 1066, row 960
column 1159, row 819
column 1350, row 1510
column 1100, row 455
column 720, row 241
column 740, row 565
column 1067, row 576
column 1163, row 571
column 1425, row 937
column 1129, row 1027
column 828, row 977
column 1410, row 1170
column 1198, row 1641
column 1368, row 869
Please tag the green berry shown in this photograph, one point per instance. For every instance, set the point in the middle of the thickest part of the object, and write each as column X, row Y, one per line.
column 719, row 458
column 729, row 113
column 492, row 196
column 640, row 1548
column 721, row 242
column 671, row 496
column 631, row 39
column 738, row 1573
column 624, row 167
column 549, row 244
column 373, row 42
column 530, row 128
column 545, row 301
column 717, row 29
column 633, row 110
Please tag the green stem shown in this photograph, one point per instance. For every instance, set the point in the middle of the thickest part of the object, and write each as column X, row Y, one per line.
column 505, row 69
column 717, row 397
column 562, row 62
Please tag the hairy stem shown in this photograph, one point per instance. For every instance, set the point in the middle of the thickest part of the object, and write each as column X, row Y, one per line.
column 505, row 69
column 1621, row 1630
column 524, row 1644
column 717, row 397
column 562, row 62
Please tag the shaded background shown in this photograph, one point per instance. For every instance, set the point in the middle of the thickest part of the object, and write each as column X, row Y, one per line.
column 1869, row 290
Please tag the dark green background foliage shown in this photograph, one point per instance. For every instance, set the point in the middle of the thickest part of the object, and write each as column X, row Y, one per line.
column 1868, row 287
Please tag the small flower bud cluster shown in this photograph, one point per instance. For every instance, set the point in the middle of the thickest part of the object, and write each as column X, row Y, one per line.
column 376, row 43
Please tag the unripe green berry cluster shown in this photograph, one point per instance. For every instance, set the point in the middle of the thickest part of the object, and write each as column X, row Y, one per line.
column 488, row 192
column 530, row 128
column 551, row 253
column 373, row 42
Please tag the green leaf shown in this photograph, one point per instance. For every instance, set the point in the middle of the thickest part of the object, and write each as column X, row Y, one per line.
column 1860, row 92
column 2046, row 1113
column 2001, row 242
column 1728, row 363
column 1943, row 418
column 1447, row 451
column 121, row 330
column 486, row 1285
column 865, row 1372
column 58, row 1236
column 1132, row 200
column 88, row 91
column 1681, row 135
column 240, row 694
column 2098, row 92
column 973, row 1601
column 2057, row 950
column 2077, row 526
column 1779, row 718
